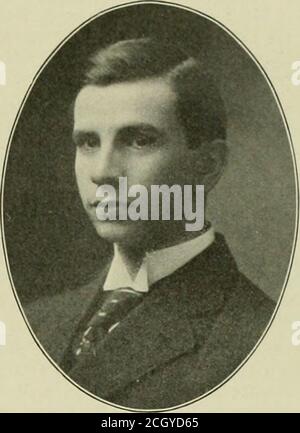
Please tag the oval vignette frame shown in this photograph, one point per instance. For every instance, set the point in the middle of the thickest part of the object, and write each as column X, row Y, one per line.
column 296, row 180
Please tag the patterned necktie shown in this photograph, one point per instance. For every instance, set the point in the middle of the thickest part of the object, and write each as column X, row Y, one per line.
column 115, row 306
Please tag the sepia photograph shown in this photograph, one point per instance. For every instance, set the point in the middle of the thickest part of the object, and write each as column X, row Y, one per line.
column 149, row 206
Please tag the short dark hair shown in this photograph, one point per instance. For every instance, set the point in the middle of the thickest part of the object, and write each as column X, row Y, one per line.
column 200, row 106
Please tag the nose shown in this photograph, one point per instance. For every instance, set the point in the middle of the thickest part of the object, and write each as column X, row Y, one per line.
column 107, row 165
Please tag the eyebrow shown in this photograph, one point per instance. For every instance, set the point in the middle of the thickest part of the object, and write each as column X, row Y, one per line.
column 141, row 126
column 77, row 134
column 144, row 127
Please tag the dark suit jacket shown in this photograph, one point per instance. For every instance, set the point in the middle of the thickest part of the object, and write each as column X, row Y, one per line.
column 192, row 330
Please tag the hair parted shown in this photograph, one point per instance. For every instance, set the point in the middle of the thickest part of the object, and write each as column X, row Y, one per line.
column 200, row 106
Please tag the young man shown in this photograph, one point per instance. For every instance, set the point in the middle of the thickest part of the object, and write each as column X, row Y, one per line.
column 149, row 113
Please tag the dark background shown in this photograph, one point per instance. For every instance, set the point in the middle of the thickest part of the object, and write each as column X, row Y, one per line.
column 50, row 243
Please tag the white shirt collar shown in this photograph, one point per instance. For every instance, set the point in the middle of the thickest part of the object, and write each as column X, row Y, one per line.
column 156, row 264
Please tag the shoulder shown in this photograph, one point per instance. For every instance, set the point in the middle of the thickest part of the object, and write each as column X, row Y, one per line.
column 61, row 303
column 238, row 325
column 53, row 317
column 236, row 333
column 246, row 313
column 246, row 310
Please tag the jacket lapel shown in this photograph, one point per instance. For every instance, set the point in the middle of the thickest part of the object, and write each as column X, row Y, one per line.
column 174, row 316
column 55, row 320
column 144, row 340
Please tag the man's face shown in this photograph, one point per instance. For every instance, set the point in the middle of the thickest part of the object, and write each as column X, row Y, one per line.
column 130, row 130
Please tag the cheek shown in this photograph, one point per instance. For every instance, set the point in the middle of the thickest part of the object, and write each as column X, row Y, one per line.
column 81, row 174
column 79, row 164
column 82, row 166
column 170, row 166
column 149, row 170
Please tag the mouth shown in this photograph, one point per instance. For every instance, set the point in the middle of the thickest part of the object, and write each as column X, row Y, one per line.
column 108, row 210
column 108, row 203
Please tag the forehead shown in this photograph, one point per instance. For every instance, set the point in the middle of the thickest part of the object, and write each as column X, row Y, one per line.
column 151, row 101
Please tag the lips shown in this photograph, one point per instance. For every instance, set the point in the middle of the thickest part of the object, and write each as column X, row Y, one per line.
column 109, row 210
column 109, row 203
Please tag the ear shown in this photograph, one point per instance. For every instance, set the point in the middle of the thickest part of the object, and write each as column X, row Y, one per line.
column 213, row 157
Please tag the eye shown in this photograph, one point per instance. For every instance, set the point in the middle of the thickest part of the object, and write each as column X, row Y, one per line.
column 143, row 140
column 87, row 142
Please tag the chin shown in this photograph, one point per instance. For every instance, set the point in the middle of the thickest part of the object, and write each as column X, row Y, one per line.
column 124, row 232
column 138, row 234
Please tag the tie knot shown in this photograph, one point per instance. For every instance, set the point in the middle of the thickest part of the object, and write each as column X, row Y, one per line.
column 122, row 294
column 116, row 304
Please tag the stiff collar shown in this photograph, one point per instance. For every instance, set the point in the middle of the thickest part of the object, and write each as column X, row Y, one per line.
column 156, row 264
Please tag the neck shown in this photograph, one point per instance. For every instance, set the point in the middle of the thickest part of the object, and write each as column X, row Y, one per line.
column 132, row 258
column 133, row 255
